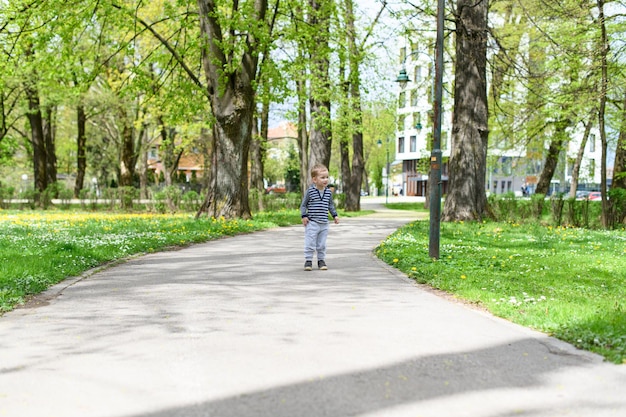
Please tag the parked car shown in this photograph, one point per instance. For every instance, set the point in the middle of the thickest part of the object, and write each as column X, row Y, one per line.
column 582, row 195
column 594, row 195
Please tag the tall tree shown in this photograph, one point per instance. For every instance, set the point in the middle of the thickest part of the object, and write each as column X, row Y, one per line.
column 619, row 167
column 230, row 42
column 466, row 199
column 603, row 44
column 353, row 171
column 319, row 51
column 579, row 155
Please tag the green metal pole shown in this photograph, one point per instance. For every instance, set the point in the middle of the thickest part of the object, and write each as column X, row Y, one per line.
column 435, row 157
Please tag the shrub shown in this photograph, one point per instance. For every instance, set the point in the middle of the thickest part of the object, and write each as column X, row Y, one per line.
column 191, row 201
column 6, row 194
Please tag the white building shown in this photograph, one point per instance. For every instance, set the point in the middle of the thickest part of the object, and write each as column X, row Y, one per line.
column 510, row 167
column 414, row 134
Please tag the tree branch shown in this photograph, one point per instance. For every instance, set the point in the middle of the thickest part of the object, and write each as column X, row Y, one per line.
column 167, row 45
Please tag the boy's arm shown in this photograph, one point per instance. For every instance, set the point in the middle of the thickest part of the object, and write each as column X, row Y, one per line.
column 303, row 208
column 332, row 209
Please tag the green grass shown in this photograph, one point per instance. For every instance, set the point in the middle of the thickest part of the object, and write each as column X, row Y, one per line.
column 407, row 206
column 567, row 282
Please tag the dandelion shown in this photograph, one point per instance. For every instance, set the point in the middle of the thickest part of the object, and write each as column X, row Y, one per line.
column 395, row 260
column 414, row 269
column 463, row 277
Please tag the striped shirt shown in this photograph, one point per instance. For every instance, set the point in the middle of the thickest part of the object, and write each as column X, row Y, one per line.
column 316, row 204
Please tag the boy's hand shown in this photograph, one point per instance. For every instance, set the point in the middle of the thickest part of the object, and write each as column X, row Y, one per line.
column 336, row 219
column 305, row 221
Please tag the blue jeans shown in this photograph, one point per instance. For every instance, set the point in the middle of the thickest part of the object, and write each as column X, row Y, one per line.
column 315, row 240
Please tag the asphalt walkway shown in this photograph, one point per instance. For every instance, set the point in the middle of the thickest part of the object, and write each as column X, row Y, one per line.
column 235, row 327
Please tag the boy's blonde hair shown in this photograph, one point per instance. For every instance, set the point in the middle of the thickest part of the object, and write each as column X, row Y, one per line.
column 317, row 169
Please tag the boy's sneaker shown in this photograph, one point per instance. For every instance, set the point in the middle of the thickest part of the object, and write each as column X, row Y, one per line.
column 308, row 265
column 322, row 265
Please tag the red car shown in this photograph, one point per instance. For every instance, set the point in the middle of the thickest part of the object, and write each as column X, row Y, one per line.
column 594, row 195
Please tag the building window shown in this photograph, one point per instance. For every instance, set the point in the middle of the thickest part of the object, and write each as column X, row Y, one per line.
column 152, row 153
column 401, row 145
column 444, row 141
column 592, row 168
column 417, row 73
column 413, row 144
column 402, row 100
column 414, row 98
column 507, row 168
column 402, row 55
column 592, row 143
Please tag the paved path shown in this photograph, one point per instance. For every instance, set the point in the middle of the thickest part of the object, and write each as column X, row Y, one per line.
column 235, row 327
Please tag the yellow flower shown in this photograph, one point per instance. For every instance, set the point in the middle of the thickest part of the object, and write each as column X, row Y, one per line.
column 463, row 277
column 395, row 260
column 414, row 269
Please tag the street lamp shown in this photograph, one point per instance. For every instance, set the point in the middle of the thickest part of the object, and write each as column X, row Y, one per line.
column 435, row 156
column 96, row 192
column 380, row 143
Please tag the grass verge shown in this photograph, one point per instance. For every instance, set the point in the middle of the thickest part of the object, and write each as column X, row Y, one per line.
column 567, row 282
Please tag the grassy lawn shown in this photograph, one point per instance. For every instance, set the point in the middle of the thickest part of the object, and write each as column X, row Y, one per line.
column 567, row 282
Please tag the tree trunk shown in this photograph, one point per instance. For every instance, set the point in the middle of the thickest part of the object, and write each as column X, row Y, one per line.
column 169, row 159
column 353, row 193
column 258, row 146
column 319, row 102
column 466, row 199
column 143, row 167
column 37, row 139
column 257, row 152
column 303, row 137
column 232, row 98
column 49, row 139
column 552, row 158
column 619, row 167
column 604, row 48
column 579, row 157
column 127, row 155
column 81, row 149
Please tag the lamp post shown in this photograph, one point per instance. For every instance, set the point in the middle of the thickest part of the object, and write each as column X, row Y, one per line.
column 24, row 183
column 380, row 143
column 96, row 192
column 435, row 156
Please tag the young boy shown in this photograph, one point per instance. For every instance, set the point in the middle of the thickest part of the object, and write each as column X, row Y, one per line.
column 316, row 204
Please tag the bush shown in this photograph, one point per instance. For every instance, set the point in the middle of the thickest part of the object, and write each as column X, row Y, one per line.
column 159, row 200
column 126, row 196
column 504, row 207
column 191, row 201
column 275, row 202
column 6, row 194
column 65, row 195
column 173, row 194
column 617, row 198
